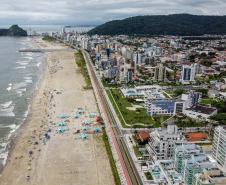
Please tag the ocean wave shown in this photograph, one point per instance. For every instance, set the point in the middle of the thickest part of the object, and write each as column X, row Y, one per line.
column 28, row 57
column 19, row 85
column 12, row 127
column 6, row 104
column 20, row 67
column 7, row 109
column 28, row 79
column 3, row 156
column 22, row 63
column 4, row 145
column 9, row 88
column 21, row 91
column 38, row 64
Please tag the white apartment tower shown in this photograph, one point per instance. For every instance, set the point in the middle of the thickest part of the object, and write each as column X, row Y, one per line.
column 219, row 145
column 188, row 73
column 162, row 140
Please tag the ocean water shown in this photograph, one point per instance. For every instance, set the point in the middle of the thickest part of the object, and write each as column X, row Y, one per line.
column 19, row 74
column 51, row 28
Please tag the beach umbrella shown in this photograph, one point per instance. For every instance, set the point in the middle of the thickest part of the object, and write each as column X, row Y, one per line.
column 61, row 124
column 97, row 130
column 75, row 116
column 83, row 136
column 62, row 116
column 84, row 128
column 61, row 130
column 92, row 115
column 80, row 111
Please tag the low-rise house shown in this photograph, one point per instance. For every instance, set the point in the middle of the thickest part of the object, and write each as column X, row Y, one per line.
column 142, row 137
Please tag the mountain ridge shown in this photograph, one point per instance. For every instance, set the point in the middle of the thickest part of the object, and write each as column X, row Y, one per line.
column 174, row 24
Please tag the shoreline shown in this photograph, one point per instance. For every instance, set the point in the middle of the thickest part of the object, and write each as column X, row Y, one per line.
column 60, row 91
column 15, row 135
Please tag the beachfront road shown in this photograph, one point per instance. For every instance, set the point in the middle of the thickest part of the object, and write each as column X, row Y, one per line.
column 129, row 170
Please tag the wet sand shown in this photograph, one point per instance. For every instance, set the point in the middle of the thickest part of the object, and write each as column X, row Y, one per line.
column 64, row 159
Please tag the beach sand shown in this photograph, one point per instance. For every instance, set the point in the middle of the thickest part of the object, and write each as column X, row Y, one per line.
column 64, row 159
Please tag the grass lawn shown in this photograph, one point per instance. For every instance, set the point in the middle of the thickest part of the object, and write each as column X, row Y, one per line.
column 148, row 176
column 106, row 84
column 130, row 117
column 207, row 101
column 111, row 158
column 136, row 151
column 166, row 95
column 48, row 38
column 80, row 61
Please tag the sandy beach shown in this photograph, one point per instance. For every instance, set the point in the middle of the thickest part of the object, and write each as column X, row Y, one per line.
column 43, row 156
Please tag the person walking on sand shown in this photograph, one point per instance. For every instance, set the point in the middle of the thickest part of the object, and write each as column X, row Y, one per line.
column 28, row 178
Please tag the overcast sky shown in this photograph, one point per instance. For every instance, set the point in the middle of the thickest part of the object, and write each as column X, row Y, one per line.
column 98, row 11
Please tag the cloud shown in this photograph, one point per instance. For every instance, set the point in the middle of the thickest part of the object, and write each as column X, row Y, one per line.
column 98, row 11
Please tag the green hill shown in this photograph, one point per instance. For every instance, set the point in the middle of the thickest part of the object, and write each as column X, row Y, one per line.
column 176, row 24
column 14, row 30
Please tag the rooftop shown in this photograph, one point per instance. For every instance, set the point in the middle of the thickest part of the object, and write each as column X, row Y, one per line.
column 198, row 136
column 202, row 109
column 142, row 135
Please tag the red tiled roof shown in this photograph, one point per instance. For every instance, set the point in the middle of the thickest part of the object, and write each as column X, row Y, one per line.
column 142, row 136
column 198, row 136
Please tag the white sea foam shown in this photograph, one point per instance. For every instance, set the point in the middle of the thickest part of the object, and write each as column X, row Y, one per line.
column 3, row 156
column 21, row 91
column 6, row 104
column 28, row 77
column 28, row 57
column 9, row 88
column 20, row 67
column 11, row 127
column 28, row 80
column 3, row 146
column 19, row 85
column 38, row 64
column 22, row 63
column 7, row 111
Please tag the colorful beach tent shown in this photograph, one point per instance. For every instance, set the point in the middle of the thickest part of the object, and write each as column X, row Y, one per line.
column 96, row 130
column 83, row 136
column 61, row 130
column 75, row 116
column 86, row 122
column 62, row 116
column 92, row 114
column 84, row 128
column 61, row 124
column 80, row 110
